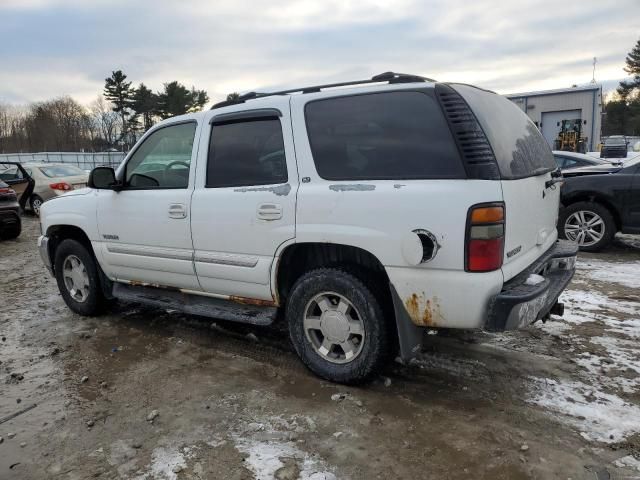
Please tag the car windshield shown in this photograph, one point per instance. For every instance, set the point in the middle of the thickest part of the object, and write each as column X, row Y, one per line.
column 615, row 141
column 56, row 171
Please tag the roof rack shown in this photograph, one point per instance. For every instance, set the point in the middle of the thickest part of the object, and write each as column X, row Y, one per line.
column 390, row 77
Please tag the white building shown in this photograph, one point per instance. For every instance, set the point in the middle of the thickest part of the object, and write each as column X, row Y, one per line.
column 548, row 108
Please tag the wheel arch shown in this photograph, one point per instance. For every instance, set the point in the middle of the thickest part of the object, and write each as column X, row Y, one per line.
column 58, row 233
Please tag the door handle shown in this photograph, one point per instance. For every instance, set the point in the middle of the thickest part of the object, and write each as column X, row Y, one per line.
column 269, row 211
column 177, row 210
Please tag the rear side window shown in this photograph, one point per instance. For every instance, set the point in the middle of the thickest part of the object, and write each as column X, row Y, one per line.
column 519, row 147
column 57, row 171
column 394, row 135
column 248, row 152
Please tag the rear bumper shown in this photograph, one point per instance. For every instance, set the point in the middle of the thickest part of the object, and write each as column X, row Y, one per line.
column 522, row 302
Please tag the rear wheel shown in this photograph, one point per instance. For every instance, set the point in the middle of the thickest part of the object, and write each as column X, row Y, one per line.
column 77, row 277
column 589, row 224
column 13, row 231
column 337, row 326
column 36, row 202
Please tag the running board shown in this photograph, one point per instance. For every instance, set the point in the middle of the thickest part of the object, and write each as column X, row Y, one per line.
column 217, row 308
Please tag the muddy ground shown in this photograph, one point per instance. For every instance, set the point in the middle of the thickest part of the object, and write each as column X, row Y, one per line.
column 559, row 400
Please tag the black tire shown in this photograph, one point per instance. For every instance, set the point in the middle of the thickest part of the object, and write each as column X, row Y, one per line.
column 13, row 231
column 94, row 301
column 375, row 343
column 589, row 208
column 33, row 203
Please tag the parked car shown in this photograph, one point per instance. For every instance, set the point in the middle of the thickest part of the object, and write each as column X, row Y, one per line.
column 614, row 146
column 10, row 223
column 599, row 201
column 18, row 178
column 52, row 179
column 568, row 160
column 362, row 216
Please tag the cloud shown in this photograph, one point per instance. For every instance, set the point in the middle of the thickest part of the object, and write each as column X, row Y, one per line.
column 55, row 47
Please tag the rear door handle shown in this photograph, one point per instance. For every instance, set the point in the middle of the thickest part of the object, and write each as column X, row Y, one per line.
column 269, row 211
column 177, row 210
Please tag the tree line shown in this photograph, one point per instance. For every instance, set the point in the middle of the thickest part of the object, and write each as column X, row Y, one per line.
column 115, row 120
column 622, row 112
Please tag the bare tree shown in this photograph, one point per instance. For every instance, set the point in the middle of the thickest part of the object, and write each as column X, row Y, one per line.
column 108, row 122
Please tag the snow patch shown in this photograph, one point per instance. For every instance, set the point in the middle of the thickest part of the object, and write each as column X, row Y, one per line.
column 628, row 461
column 598, row 416
column 268, row 441
column 164, row 460
column 625, row 274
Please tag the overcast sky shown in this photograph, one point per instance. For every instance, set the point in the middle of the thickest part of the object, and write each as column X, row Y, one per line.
column 50, row 48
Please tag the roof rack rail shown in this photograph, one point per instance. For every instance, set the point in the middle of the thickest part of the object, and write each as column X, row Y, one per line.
column 390, row 77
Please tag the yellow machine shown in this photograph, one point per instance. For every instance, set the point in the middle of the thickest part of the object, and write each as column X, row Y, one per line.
column 570, row 137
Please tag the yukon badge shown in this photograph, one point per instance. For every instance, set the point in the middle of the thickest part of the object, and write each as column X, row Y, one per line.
column 515, row 251
column 111, row 237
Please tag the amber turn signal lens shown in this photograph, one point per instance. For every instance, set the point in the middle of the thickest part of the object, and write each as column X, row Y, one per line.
column 487, row 215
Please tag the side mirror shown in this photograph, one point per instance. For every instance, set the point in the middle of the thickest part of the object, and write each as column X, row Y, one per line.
column 103, row 178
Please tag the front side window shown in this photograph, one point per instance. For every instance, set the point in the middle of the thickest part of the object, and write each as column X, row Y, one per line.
column 164, row 158
column 245, row 153
column 395, row 135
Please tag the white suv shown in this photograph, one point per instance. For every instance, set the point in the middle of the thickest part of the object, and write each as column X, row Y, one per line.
column 362, row 215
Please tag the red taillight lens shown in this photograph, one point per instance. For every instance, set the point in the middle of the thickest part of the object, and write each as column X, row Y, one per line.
column 485, row 238
column 7, row 191
column 60, row 186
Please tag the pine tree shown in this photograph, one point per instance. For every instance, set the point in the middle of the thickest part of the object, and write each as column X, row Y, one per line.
column 633, row 64
column 144, row 103
column 176, row 99
column 119, row 92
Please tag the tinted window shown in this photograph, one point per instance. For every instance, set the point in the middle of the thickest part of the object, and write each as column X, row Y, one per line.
column 249, row 152
column 396, row 135
column 559, row 161
column 11, row 173
column 520, row 149
column 164, row 158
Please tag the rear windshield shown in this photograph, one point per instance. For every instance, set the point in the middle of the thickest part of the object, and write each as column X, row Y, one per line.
column 56, row 171
column 391, row 135
column 616, row 141
column 520, row 149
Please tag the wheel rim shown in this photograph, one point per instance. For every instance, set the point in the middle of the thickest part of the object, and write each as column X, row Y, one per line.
column 334, row 327
column 35, row 205
column 584, row 227
column 75, row 278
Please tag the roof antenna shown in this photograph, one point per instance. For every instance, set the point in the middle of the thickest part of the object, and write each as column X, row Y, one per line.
column 593, row 78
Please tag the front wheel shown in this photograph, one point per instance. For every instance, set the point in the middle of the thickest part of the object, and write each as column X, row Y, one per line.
column 589, row 224
column 337, row 326
column 77, row 276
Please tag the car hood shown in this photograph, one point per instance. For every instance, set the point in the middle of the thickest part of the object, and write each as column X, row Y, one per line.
column 592, row 170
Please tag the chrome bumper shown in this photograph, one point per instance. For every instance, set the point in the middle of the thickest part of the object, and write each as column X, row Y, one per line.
column 43, row 246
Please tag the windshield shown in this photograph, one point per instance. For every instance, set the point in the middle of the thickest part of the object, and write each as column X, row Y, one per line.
column 615, row 141
column 56, row 171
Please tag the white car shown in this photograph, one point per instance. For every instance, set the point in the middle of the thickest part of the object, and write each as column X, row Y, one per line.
column 362, row 216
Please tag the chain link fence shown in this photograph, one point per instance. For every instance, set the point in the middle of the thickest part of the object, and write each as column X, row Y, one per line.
column 85, row 161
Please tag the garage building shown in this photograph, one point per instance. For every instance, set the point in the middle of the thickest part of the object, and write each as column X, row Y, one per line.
column 548, row 108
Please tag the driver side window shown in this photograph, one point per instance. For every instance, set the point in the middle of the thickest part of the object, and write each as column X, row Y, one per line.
column 163, row 160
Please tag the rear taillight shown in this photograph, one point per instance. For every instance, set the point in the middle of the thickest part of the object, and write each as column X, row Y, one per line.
column 485, row 238
column 7, row 191
column 60, row 186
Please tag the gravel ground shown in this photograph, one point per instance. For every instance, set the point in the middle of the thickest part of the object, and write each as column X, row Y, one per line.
column 143, row 393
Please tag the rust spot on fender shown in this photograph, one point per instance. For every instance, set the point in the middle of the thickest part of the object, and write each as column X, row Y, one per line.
column 423, row 311
column 252, row 301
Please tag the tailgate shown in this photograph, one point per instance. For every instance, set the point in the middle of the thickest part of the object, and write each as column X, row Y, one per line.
column 525, row 163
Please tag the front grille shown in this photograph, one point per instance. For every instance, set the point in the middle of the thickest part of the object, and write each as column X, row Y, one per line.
column 473, row 145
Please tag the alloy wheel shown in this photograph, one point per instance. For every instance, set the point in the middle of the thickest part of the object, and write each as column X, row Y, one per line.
column 76, row 278
column 334, row 327
column 584, row 227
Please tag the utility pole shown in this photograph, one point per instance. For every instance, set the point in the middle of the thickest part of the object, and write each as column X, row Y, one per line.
column 593, row 78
